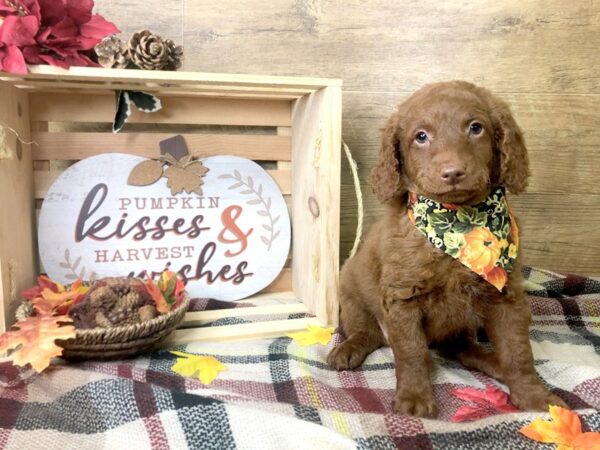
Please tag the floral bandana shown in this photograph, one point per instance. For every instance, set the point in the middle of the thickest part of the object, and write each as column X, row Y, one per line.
column 483, row 237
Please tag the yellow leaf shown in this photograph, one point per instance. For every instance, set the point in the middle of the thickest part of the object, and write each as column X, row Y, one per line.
column 207, row 367
column 313, row 335
column 34, row 340
column 564, row 430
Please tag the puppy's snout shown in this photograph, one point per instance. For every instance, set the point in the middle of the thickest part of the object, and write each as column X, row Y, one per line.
column 452, row 174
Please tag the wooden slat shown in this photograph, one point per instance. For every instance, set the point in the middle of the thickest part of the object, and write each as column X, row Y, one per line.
column 91, row 77
column 43, row 179
column 199, row 90
column 380, row 45
column 197, row 318
column 18, row 257
column 560, row 231
column 561, row 132
column 82, row 145
column 316, row 148
column 270, row 298
column 239, row 332
column 207, row 93
column 52, row 107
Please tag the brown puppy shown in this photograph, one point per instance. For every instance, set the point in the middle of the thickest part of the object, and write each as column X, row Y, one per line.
column 452, row 143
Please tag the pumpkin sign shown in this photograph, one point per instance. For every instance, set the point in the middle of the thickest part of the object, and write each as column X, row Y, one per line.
column 221, row 223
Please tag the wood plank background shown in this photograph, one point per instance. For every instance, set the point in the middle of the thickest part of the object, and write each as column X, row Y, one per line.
column 540, row 55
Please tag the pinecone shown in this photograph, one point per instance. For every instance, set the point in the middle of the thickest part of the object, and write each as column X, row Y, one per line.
column 24, row 310
column 147, row 312
column 102, row 321
column 150, row 51
column 113, row 301
column 125, row 310
column 112, row 53
column 175, row 56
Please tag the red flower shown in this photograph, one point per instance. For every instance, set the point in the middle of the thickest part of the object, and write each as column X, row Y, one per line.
column 57, row 32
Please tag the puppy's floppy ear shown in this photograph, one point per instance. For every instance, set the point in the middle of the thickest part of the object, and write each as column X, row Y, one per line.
column 509, row 141
column 385, row 177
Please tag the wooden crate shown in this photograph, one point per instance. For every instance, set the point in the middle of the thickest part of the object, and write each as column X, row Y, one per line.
column 292, row 126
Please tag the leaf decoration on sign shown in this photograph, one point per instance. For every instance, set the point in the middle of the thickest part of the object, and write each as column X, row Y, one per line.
column 564, row 430
column 146, row 173
column 75, row 271
column 206, row 368
column 144, row 101
column 313, row 335
column 33, row 342
column 184, row 174
column 249, row 189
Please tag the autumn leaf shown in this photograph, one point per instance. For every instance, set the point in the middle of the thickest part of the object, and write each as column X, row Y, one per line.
column 61, row 300
column 564, row 430
column 145, row 173
column 34, row 340
column 488, row 401
column 172, row 288
column 43, row 283
column 313, row 335
column 207, row 367
column 155, row 292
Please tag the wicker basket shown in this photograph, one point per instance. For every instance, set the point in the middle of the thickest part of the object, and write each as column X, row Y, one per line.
column 122, row 342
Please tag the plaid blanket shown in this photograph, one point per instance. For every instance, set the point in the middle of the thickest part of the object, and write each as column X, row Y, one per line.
column 278, row 395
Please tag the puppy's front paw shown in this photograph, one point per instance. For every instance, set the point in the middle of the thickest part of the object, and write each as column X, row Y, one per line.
column 348, row 355
column 414, row 404
column 535, row 398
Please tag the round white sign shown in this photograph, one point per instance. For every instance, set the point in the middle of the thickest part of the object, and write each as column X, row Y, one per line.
column 227, row 243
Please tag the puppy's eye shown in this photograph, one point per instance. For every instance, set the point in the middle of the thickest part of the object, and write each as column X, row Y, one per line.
column 421, row 137
column 475, row 128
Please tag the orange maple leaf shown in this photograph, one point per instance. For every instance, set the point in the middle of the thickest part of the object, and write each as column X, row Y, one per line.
column 564, row 430
column 34, row 340
column 60, row 300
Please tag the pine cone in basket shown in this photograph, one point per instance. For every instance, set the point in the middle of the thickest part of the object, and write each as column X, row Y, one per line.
column 112, row 53
column 150, row 51
column 113, row 302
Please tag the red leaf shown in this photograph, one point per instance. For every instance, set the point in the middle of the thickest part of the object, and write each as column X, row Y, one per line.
column 53, row 11
column 98, row 27
column 161, row 305
column 80, row 10
column 45, row 282
column 32, row 293
column 33, row 8
column 84, row 43
column 466, row 413
column 32, row 54
column 19, row 31
column 54, row 61
column 471, row 395
column 64, row 28
column 14, row 61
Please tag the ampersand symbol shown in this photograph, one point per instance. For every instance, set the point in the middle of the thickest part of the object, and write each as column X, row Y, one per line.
column 228, row 218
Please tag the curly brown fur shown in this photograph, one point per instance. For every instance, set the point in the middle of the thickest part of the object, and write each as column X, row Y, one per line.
column 422, row 297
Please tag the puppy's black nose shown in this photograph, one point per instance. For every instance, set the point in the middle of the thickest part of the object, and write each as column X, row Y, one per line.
column 452, row 174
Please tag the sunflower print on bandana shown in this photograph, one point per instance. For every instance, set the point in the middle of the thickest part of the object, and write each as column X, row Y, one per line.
column 483, row 237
